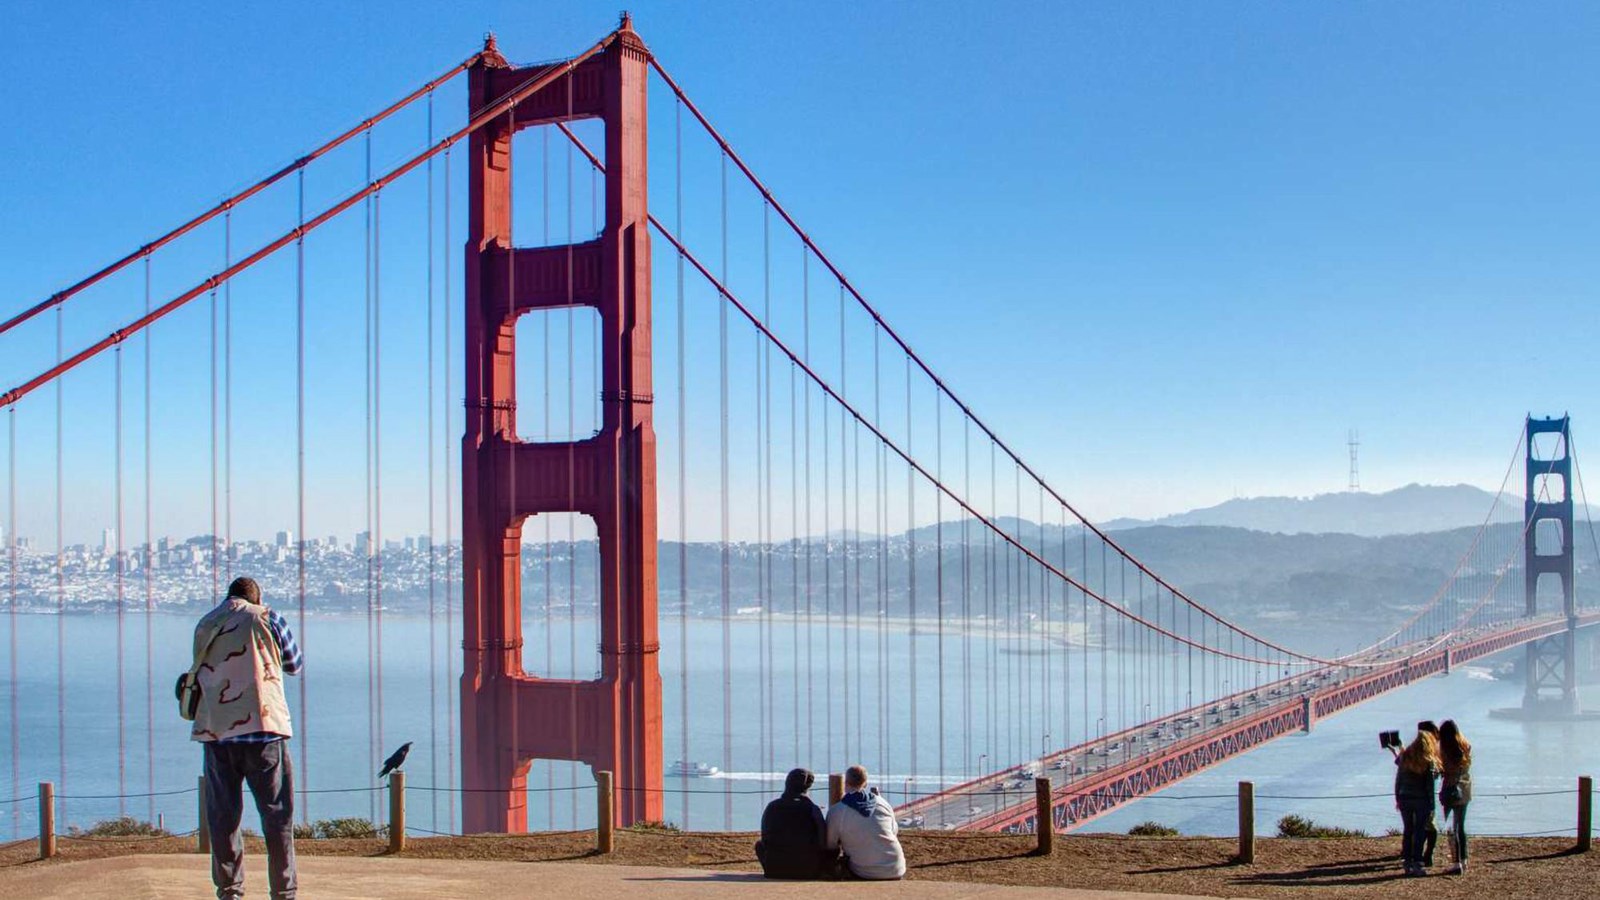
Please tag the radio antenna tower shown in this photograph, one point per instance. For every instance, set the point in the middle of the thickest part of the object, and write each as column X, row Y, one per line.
column 1355, row 466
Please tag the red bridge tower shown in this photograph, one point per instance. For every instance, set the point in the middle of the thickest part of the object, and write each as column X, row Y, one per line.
column 509, row 718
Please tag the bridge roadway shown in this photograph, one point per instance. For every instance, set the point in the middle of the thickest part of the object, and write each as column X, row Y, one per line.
column 1093, row 778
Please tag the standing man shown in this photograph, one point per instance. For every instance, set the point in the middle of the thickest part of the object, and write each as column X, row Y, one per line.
column 862, row 825
column 244, row 650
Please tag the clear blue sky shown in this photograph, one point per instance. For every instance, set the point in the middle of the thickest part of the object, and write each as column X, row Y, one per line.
column 1171, row 251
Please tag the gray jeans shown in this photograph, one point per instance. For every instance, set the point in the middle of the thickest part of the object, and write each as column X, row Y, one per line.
column 266, row 768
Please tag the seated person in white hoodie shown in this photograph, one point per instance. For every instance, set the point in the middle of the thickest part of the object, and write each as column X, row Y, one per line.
column 862, row 825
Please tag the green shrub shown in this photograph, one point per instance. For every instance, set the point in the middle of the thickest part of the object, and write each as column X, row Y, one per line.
column 326, row 829
column 1301, row 827
column 653, row 828
column 122, row 826
column 1153, row 829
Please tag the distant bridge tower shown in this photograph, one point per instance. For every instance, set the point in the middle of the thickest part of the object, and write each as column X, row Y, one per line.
column 509, row 718
column 1551, row 663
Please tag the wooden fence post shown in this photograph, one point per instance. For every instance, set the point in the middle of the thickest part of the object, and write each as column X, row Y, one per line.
column 202, row 835
column 1585, row 811
column 47, row 819
column 1247, row 822
column 605, row 813
column 835, row 788
column 397, row 812
column 1044, row 822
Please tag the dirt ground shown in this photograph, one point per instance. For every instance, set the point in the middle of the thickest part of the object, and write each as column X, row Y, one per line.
column 1501, row 868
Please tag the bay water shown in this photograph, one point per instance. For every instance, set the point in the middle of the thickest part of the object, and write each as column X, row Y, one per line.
column 993, row 706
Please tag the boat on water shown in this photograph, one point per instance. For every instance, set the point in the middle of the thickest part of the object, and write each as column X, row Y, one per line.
column 685, row 769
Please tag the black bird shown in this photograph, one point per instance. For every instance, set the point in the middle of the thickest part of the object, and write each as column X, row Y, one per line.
column 396, row 760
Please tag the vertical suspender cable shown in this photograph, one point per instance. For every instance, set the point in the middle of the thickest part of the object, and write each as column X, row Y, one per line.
column 805, row 307
column 1013, row 590
column 1175, row 657
column 1105, row 643
column 794, row 558
column 794, row 555
column 216, row 528
column 1083, row 594
column 428, row 431
column 300, row 481
column 683, row 453
column 121, row 573
column 966, row 606
column 61, row 581
column 449, row 508
column 1141, row 667
column 879, row 499
column 372, row 707
column 827, row 586
column 1044, row 629
column 1188, row 700
column 938, row 568
column 768, row 593
column 1122, row 646
column 991, row 584
column 911, row 566
column 846, row 688
column 1010, row 646
column 766, row 450
column 11, row 613
column 149, row 581
column 763, row 643
column 227, row 395
column 1066, row 647
column 1025, row 623
column 377, row 461
column 856, row 487
column 727, row 636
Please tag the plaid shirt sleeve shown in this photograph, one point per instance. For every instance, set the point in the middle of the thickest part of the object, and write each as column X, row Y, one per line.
column 288, row 647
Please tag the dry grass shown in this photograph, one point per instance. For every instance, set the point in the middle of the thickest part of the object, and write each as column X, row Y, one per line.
column 1335, row 869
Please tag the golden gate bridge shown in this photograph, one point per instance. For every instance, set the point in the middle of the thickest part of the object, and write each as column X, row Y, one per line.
column 798, row 431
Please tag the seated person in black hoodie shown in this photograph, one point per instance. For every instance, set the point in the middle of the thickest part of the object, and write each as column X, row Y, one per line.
column 793, row 835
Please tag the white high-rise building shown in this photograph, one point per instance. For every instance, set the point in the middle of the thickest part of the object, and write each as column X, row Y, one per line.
column 285, row 538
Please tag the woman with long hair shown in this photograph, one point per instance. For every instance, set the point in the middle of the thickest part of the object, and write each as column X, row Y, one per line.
column 1416, row 767
column 1455, row 791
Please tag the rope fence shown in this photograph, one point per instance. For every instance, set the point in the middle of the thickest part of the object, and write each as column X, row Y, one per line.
column 1046, row 802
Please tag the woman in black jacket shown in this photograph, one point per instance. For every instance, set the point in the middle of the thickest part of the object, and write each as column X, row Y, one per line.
column 1416, row 767
column 1455, row 792
column 793, row 833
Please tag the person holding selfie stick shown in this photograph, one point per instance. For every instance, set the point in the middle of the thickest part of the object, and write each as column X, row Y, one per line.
column 1416, row 768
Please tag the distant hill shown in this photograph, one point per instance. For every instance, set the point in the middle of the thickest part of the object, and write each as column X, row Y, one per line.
column 1413, row 509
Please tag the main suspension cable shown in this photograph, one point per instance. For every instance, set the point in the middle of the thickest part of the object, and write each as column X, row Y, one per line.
column 488, row 113
column 297, row 166
column 927, row 370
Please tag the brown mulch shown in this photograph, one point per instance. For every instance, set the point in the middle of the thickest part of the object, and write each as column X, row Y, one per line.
column 1502, row 868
